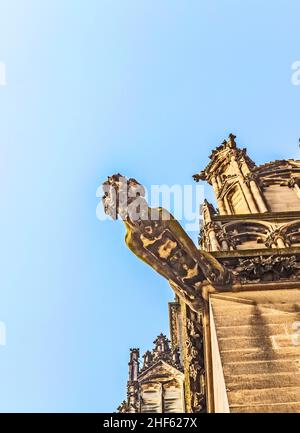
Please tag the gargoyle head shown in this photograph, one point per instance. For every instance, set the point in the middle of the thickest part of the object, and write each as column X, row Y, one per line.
column 123, row 197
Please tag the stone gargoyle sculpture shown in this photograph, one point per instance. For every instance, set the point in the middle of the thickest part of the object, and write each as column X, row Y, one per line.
column 158, row 239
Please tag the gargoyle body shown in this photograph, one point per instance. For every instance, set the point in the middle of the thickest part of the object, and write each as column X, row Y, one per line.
column 158, row 239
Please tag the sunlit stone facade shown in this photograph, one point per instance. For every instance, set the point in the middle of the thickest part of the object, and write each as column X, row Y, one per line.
column 235, row 321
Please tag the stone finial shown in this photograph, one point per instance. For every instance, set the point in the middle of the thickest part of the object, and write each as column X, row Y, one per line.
column 231, row 141
column 162, row 352
column 148, row 359
column 162, row 343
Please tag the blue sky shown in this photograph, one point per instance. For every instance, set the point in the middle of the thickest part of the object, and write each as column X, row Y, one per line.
column 145, row 88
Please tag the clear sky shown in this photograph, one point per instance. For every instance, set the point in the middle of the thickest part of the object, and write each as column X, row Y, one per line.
column 142, row 87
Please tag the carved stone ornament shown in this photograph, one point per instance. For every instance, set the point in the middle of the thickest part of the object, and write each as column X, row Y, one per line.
column 293, row 181
column 273, row 238
column 162, row 352
column 195, row 359
column 123, row 408
column 272, row 268
column 160, row 241
column 252, row 177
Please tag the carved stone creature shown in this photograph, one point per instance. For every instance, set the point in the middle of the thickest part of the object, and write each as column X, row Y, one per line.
column 160, row 241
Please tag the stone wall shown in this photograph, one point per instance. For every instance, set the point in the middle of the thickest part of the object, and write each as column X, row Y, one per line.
column 259, row 343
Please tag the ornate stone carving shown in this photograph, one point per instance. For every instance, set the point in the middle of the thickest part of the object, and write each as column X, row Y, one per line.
column 253, row 177
column 159, row 240
column 208, row 211
column 132, row 404
column 272, row 268
column 211, row 226
column 226, row 240
column 148, row 359
column 132, row 397
column 274, row 238
column 293, row 181
column 123, row 408
column 208, row 236
column 174, row 309
column 203, row 240
column 162, row 352
column 241, row 189
column 231, row 141
column 222, row 155
column 195, row 359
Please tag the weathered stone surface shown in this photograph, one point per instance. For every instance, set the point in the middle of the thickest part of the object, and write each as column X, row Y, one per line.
column 263, row 381
column 259, row 347
column 256, row 354
column 289, row 407
column 264, row 396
